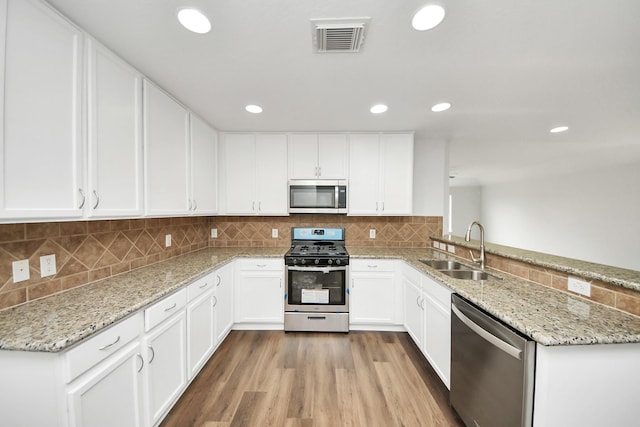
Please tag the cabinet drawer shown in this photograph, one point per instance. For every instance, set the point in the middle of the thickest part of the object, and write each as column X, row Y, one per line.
column 202, row 285
column 372, row 264
column 261, row 264
column 97, row 348
column 164, row 309
column 438, row 292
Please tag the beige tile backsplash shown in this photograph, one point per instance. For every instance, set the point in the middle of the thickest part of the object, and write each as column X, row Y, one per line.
column 91, row 250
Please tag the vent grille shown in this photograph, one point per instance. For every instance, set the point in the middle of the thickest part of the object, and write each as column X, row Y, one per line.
column 339, row 35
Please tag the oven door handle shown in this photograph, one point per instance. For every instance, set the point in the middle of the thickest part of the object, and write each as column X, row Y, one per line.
column 318, row 269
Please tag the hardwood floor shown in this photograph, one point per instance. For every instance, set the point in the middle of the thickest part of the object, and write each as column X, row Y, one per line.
column 273, row 378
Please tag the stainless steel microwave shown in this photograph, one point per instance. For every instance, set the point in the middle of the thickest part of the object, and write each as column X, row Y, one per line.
column 318, row 196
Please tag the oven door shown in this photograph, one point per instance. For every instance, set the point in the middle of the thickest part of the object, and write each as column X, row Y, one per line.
column 321, row 289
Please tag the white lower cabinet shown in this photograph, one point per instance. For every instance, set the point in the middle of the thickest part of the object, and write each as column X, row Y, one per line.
column 224, row 302
column 165, row 345
column 375, row 300
column 259, row 293
column 112, row 394
column 427, row 319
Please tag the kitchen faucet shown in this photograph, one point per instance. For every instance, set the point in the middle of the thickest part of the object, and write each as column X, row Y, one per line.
column 467, row 237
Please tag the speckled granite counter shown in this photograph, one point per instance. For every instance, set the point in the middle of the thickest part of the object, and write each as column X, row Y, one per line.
column 55, row 323
column 548, row 316
column 616, row 276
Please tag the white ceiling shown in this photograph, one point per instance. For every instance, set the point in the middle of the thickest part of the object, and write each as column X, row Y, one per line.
column 512, row 69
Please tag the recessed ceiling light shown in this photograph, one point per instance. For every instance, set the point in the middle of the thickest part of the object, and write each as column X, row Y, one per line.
column 194, row 20
column 428, row 17
column 443, row 106
column 256, row 109
column 379, row 108
column 559, row 129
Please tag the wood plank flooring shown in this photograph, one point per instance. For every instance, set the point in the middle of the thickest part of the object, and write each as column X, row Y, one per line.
column 273, row 378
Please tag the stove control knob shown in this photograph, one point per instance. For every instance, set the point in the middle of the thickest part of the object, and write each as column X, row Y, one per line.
column 338, row 262
column 317, row 261
column 295, row 261
column 330, row 262
column 304, row 261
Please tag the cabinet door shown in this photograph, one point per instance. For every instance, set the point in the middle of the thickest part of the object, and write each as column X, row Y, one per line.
column 166, row 146
column 115, row 135
column 413, row 310
column 332, row 156
column 303, row 156
column 42, row 148
column 271, row 174
column 240, row 164
column 437, row 342
column 200, row 331
column 372, row 298
column 110, row 395
column 224, row 303
column 204, row 167
column 364, row 174
column 166, row 365
column 396, row 160
column 259, row 297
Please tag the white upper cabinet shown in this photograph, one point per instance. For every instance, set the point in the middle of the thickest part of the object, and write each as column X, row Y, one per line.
column 255, row 173
column 42, row 144
column 204, row 168
column 114, row 111
column 381, row 174
column 318, row 156
column 166, row 149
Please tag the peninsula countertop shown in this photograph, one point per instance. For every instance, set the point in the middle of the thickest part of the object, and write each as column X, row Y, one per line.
column 548, row 316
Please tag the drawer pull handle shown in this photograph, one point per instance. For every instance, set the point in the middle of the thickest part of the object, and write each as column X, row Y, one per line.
column 105, row 347
column 172, row 307
column 153, row 354
column 372, row 265
column 261, row 265
column 317, row 317
column 204, row 286
column 141, row 361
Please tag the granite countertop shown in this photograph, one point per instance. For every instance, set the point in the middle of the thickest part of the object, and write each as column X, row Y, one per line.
column 605, row 273
column 54, row 323
column 548, row 316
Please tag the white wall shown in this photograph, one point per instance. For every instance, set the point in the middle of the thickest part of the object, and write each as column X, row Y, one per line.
column 431, row 178
column 466, row 207
column 592, row 215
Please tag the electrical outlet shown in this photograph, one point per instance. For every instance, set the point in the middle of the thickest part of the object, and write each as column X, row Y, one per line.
column 372, row 233
column 167, row 240
column 20, row 270
column 274, row 233
column 214, row 233
column 579, row 286
column 48, row 265
column 451, row 249
column 435, row 244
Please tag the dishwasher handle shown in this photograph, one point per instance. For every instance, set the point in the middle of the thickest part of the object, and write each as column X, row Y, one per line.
column 492, row 339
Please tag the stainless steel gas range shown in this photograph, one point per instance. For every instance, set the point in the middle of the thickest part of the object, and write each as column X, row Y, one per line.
column 317, row 297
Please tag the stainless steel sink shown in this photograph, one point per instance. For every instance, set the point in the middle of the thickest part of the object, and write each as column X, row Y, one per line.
column 444, row 264
column 470, row 275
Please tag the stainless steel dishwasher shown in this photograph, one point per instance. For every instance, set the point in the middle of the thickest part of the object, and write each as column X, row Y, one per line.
column 492, row 369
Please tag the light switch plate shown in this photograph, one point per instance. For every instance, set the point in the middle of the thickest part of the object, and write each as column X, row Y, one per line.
column 20, row 270
column 48, row 265
column 274, row 233
column 451, row 249
column 214, row 233
column 372, row 233
column 167, row 240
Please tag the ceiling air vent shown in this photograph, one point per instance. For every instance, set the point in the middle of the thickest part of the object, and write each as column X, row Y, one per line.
column 338, row 35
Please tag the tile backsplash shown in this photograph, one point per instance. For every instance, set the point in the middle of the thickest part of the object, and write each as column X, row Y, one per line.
column 87, row 251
